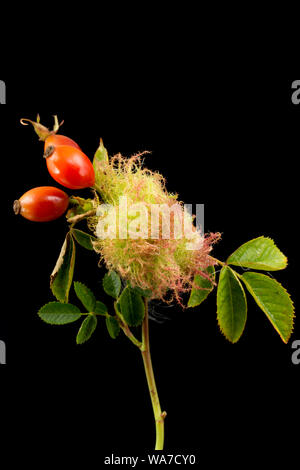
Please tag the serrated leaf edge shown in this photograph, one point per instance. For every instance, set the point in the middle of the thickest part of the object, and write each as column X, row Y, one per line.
column 245, row 298
column 85, row 320
column 86, row 287
column 105, row 277
column 61, row 303
column 291, row 316
column 92, row 238
column 209, row 289
column 106, row 320
column 252, row 240
column 100, row 314
column 119, row 305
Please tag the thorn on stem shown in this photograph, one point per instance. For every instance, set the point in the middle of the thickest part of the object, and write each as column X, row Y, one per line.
column 162, row 417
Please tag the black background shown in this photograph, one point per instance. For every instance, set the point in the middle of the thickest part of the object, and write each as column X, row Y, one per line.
column 230, row 143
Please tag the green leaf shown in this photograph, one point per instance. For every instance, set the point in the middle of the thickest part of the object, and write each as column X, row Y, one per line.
column 85, row 295
column 112, row 284
column 56, row 313
column 132, row 306
column 274, row 301
column 143, row 292
column 87, row 329
column 84, row 239
column 113, row 327
column 62, row 275
column 231, row 305
column 205, row 287
column 260, row 253
column 100, row 308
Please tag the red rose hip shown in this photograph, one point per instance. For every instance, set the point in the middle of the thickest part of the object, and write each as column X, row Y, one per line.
column 66, row 162
column 42, row 204
column 69, row 166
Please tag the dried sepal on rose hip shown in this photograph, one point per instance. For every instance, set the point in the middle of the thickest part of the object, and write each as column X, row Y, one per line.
column 66, row 162
column 42, row 204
